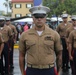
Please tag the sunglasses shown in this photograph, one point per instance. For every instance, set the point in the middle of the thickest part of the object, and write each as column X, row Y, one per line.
column 64, row 17
column 1, row 20
column 39, row 15
column 73, row 19
column 7, row 20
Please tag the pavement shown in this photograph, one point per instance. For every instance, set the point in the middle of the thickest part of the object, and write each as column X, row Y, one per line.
column 16, row 70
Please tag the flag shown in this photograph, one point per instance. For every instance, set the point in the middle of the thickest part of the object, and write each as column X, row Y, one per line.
column 55, row 71
column 37, row 2
column 25, row 72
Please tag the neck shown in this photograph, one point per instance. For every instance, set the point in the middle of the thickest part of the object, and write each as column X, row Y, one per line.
column 65, row 21
column 40, row 28
column 7, row 24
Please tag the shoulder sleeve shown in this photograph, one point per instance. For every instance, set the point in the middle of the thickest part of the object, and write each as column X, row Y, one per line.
column 9, row 31
column 14, row 29
column 1, row 39
column 22, row 45
column 58, row 28
column 70, row 38
column 57, row 44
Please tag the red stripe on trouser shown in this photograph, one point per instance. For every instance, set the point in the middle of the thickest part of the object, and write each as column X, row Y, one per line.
column 55, row 71
column 25, row 72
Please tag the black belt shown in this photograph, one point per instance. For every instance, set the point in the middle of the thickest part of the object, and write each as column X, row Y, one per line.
column 63, row 36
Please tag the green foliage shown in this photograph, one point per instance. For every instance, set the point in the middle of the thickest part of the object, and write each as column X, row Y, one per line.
column 70, row 6
column 57, row 7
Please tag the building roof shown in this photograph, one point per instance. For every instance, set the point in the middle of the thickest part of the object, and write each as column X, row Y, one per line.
column 16, row 1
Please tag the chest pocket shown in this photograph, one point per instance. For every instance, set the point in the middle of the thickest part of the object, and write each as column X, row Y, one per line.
column 49, row 44
column 30, row 44
column 62, row 29
column 4, row 31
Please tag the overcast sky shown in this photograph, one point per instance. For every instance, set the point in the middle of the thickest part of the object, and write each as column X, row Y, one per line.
column 2, row 7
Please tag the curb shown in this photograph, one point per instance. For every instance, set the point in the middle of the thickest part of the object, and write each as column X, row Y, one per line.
column 16, row 46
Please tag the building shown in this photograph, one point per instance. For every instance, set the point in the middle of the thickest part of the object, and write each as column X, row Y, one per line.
column 21, row 8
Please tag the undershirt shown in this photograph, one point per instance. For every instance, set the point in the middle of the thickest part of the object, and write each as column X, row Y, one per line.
column 39, row 32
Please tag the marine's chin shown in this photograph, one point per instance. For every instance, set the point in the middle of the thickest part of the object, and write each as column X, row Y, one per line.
column 39, row 26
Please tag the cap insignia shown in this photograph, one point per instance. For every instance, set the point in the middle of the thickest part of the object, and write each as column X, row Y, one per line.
column 39, row 8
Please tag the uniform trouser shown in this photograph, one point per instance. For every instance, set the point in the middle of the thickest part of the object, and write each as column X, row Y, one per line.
column 1, row 66
column 65, row 54
column 11, row 52
column 72, row 66
column 34, row 71
column 74, row 61
column 5, row 55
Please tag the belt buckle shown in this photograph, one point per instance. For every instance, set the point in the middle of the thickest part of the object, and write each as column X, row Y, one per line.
column 40, row 67
column 43, row 67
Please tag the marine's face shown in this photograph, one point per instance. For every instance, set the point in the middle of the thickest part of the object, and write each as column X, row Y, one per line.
column 39, row 20
column 64, row 19
column 74, row 22
column 7, row 22
column 1, row 23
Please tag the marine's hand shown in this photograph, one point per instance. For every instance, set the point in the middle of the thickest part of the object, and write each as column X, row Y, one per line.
column 14, row 41
column 59, row 63
column 70, row 57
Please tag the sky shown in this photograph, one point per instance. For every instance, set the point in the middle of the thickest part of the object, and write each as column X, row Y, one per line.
column 2, row 7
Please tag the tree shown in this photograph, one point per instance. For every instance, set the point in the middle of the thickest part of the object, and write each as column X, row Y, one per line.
column 6, row 4
column 58, row 6
column 70, row 6
column 10, row 5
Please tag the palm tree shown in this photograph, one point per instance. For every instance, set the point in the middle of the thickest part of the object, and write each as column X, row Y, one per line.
column 6, row 3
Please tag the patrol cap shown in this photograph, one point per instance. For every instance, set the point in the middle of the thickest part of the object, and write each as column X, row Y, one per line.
column 73, row 17
column 64, row 15
column 39, row 10
column 53, row 19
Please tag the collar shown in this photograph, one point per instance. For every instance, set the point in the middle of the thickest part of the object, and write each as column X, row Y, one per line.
column 45, row 31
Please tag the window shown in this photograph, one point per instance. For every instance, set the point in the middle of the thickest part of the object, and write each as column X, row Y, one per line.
column 18, row 15
column 17, row 5
column 28, row 5
column 28, row 15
